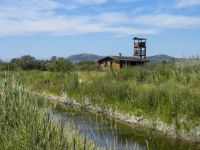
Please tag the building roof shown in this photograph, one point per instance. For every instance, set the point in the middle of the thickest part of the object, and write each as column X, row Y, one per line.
column 124, row 59
column 137, row 38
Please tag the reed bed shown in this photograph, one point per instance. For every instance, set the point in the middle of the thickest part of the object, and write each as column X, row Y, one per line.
column 25, row 125
column 169, row 91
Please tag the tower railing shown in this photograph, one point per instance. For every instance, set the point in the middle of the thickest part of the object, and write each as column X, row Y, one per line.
column 140, row 47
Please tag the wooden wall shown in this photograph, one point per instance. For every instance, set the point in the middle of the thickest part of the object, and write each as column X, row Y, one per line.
column 116, row 66
column 110, row 64
column 106, row 64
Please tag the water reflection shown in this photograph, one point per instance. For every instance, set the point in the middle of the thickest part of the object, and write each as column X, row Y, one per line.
column 108, row 133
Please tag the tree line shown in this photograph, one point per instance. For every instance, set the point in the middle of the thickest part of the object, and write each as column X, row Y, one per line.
column 54, row 64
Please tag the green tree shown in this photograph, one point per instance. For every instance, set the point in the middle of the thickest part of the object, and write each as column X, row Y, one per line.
column 87, row 66
column 41, row 65
column 60, row 65
column 15, row 64
column 27, row 62
column 3, row 66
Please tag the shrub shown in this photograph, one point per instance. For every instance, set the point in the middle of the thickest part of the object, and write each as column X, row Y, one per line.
column 60, row 65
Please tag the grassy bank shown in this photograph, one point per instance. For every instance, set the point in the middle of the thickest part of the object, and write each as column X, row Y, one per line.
column 23, row 125
column 167, row 91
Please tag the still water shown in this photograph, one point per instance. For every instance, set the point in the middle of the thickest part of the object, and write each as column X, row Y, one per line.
column 109, row 133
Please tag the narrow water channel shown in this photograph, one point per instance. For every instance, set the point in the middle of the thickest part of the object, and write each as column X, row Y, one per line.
column 109, row 133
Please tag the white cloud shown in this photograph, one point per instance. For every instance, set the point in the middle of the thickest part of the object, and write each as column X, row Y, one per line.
column 125, row 1
column 187, row 3
column 65, row 26
column 91, row 1
column 35, row 17
column 168, row 21
column 97, row 2
column 113, row 18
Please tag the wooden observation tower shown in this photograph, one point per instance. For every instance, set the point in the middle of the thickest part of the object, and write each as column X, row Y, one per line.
column 140, row 47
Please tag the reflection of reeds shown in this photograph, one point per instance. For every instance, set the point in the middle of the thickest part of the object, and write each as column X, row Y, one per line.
column 150, row 141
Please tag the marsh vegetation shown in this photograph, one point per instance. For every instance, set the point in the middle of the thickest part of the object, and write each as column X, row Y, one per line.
column 24, row 125
column 167, row 91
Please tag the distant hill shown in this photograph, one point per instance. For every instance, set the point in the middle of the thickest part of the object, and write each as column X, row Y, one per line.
column 93, row 57
column 84, row 57
column 160, row 58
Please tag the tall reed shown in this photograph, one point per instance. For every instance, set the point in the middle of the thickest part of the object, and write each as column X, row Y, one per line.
column 25, row 125
column 170, row 91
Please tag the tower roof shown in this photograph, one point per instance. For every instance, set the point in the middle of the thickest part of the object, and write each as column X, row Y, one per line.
column 137, row 38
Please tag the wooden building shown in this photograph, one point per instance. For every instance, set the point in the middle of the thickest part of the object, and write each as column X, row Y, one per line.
column 118, row 62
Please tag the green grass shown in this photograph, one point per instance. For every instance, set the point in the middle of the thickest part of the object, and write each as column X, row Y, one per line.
column 25, row 125
column 168, row 91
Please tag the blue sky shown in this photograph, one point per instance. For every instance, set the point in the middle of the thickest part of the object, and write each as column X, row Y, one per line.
column 44, row 28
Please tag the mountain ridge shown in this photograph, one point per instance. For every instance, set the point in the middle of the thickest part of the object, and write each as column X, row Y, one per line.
column 93, row 57
column 84, row 57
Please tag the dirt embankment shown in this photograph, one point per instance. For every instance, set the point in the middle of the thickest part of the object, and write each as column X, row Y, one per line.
column 160, row 126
